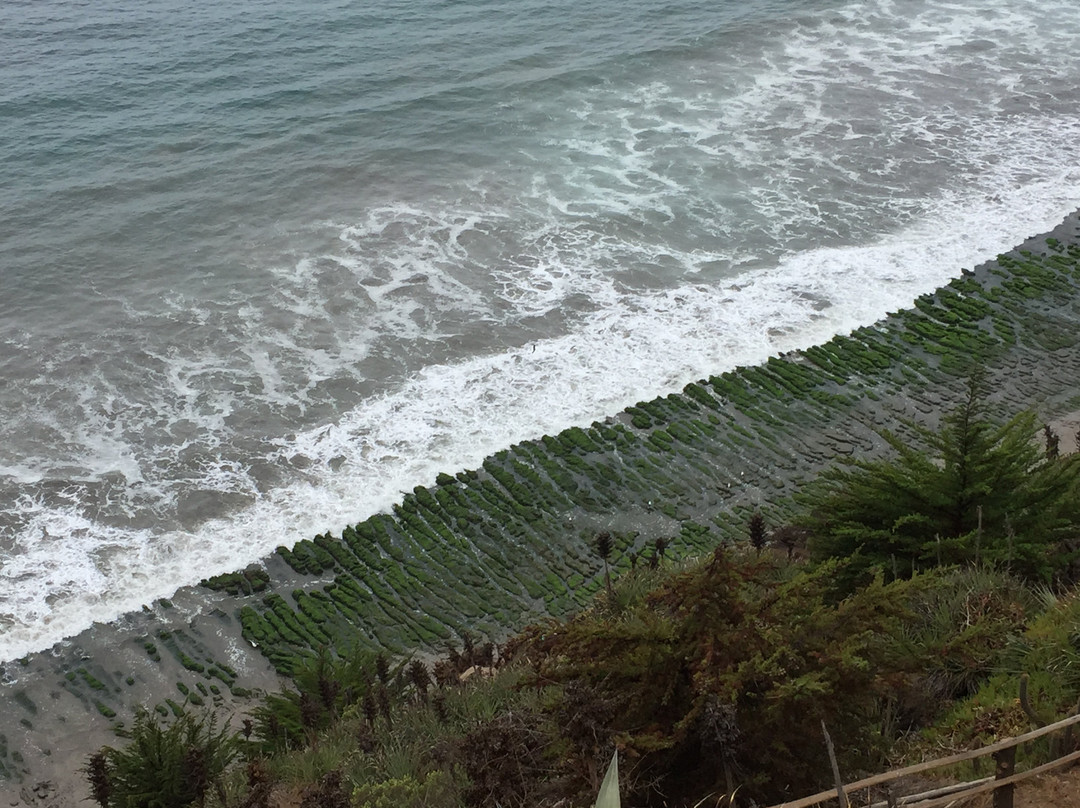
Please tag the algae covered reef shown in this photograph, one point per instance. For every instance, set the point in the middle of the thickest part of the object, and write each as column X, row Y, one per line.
column 489, row 550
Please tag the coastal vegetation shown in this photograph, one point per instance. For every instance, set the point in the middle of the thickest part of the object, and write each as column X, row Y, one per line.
column 707, row 676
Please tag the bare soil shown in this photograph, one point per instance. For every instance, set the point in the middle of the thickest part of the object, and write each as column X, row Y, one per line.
column 1058, row 790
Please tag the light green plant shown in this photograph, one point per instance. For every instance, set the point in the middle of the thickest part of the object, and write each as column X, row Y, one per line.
column 335, row 751
column 609, row 789
column 436, row 788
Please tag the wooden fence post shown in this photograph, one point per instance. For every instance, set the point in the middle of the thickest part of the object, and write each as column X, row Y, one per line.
column 1006, row 765
column 840, row 795
column 890, row 798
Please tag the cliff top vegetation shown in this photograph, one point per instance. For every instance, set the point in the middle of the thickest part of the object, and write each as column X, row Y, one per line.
column 933, row 580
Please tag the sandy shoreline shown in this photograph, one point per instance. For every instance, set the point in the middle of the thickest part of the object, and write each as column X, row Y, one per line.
column 55, row 705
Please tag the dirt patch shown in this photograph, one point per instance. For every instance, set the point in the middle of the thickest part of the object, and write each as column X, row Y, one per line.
column 1067, row 428
column 1058, row 790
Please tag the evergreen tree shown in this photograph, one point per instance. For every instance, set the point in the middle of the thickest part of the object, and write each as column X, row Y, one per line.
column 756, row 528
column 969, row 491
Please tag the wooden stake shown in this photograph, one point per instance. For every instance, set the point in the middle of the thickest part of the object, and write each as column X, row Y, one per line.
column 840, row 795
column 978, row 535
column 890, row 798
column 1006, row 765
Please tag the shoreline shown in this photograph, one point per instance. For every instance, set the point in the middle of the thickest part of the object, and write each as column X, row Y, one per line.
column 57, row 703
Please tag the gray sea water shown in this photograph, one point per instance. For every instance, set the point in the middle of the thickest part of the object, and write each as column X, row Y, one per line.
column 266, row 264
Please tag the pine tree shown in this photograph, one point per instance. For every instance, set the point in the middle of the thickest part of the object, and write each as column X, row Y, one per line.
column 171, row 766
column 985, row 489
column 757, row 531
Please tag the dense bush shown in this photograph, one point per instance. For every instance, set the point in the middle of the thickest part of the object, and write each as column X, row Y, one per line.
column 163, row 765
column 725, row 666
column 974, row 491
column 705, row 676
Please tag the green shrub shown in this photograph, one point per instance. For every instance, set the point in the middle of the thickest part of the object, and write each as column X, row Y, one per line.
column 436, row 788
column 164, row 766
column 737, row 657
column 975, row 490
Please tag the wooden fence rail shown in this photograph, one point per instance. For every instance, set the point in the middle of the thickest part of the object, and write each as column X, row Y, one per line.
column 1003, row 752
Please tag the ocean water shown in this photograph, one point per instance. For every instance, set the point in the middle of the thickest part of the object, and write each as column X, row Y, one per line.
column 266, row 264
